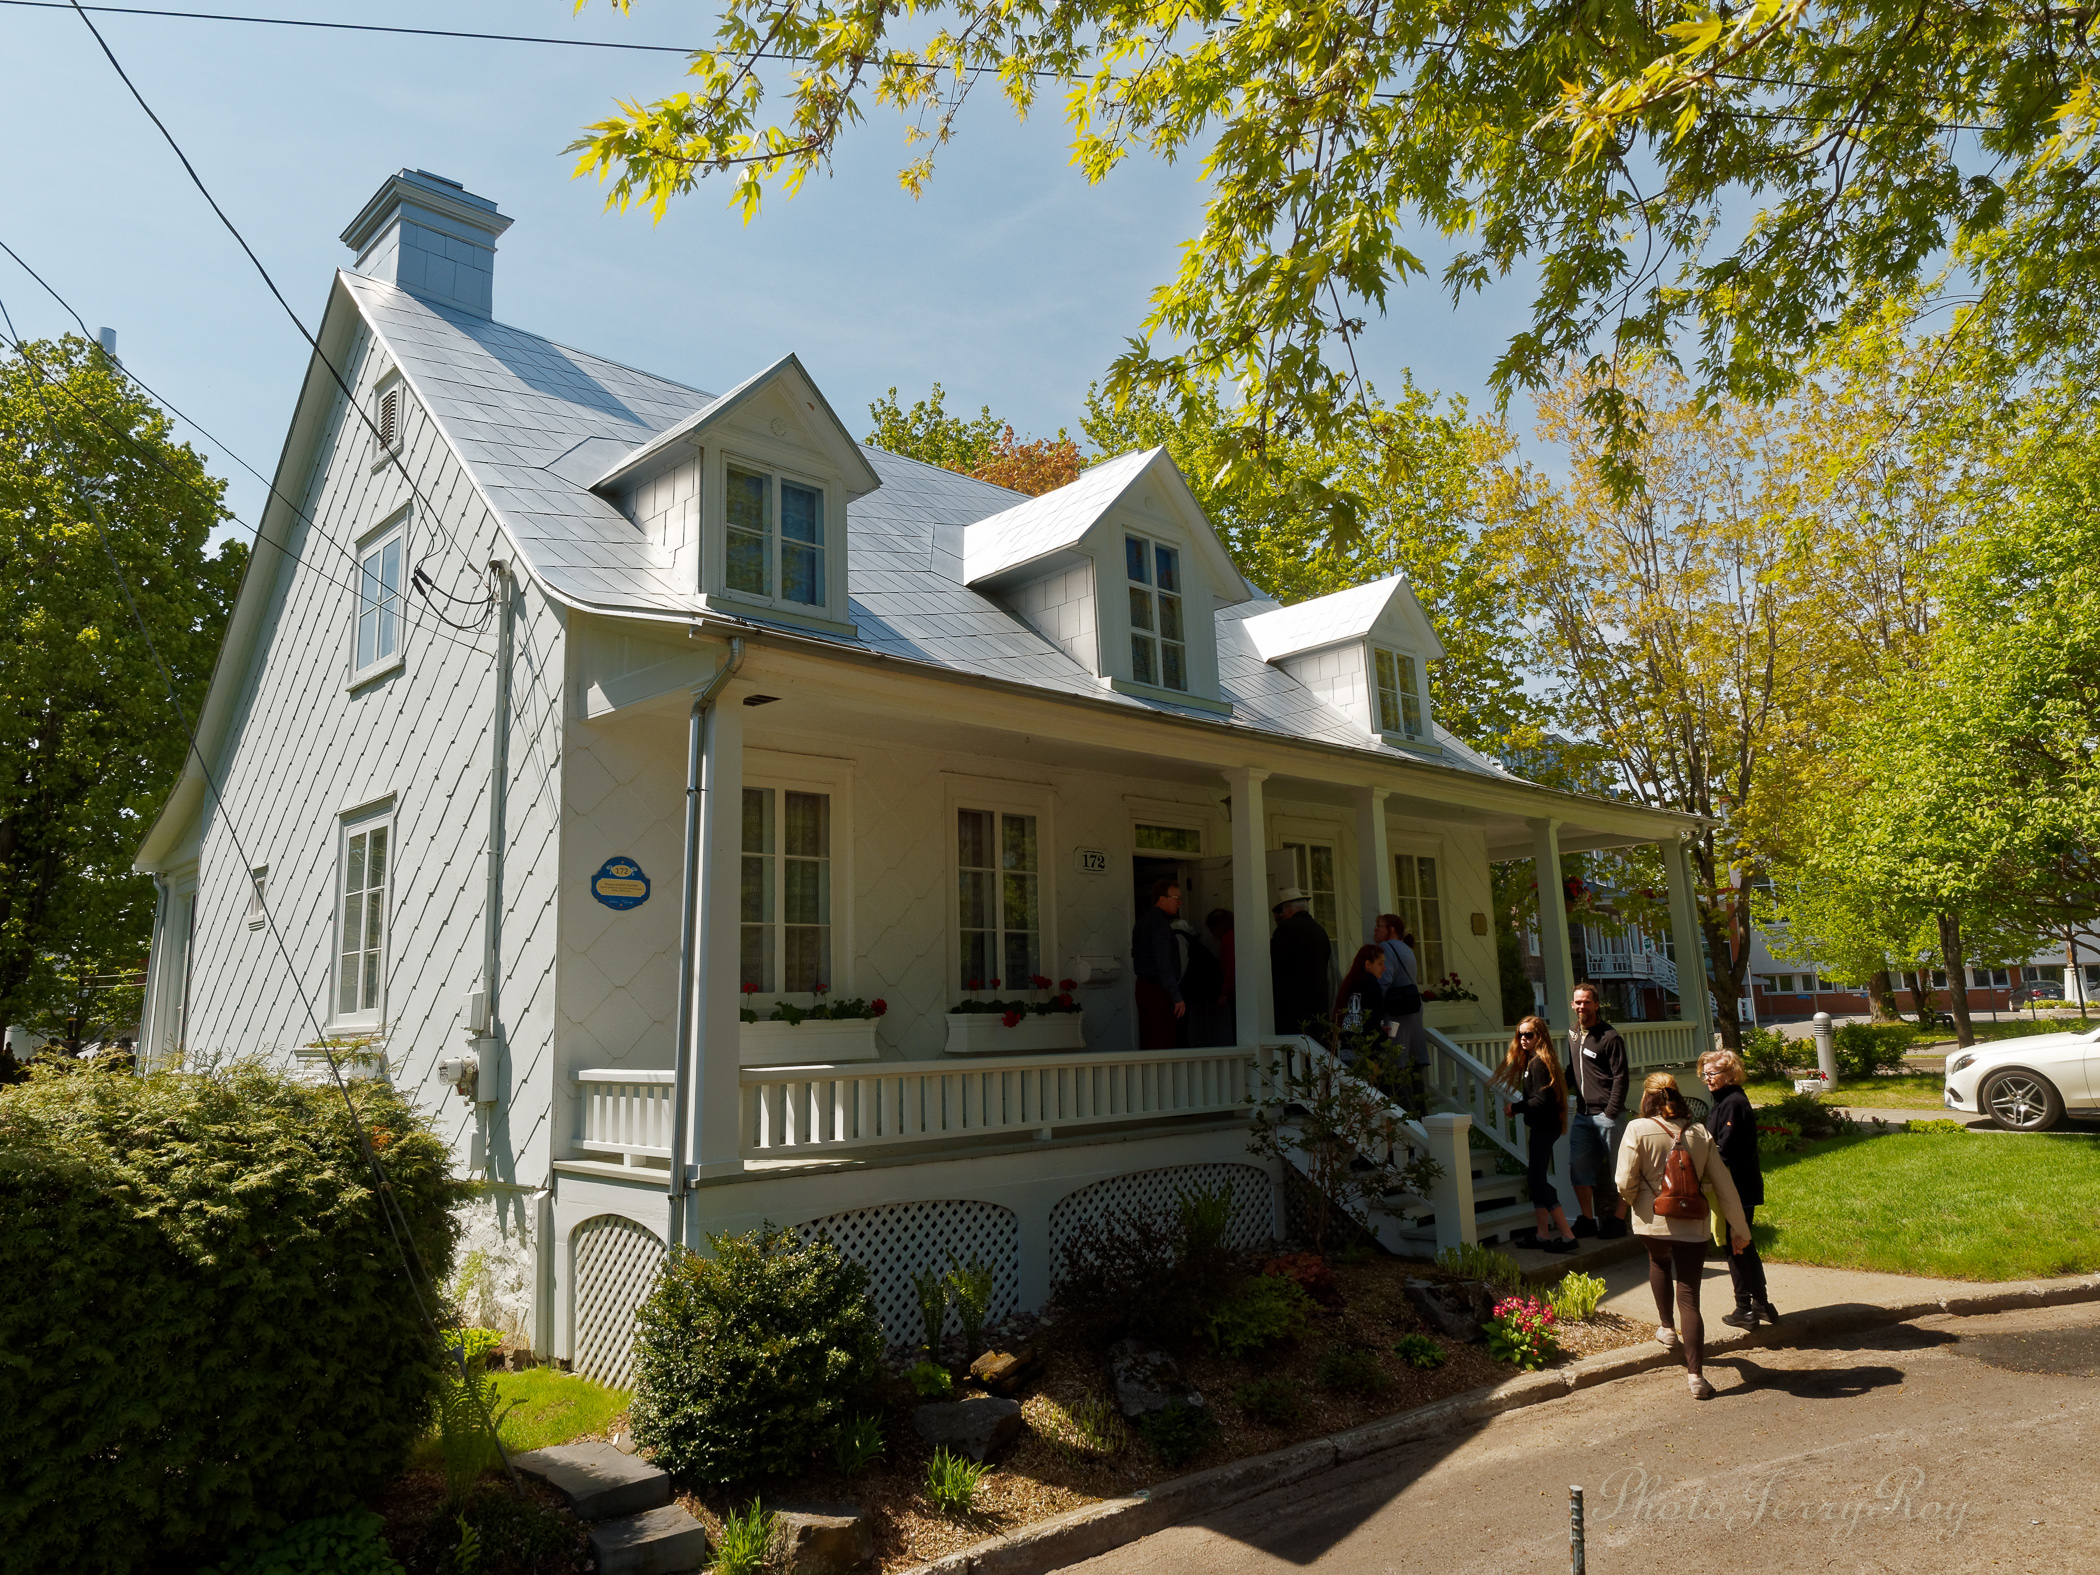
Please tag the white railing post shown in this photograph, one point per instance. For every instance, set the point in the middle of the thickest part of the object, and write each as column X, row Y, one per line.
column 1452, row 1197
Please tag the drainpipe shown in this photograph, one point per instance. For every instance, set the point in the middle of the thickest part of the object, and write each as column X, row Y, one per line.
column 696, row 752
column 487, row 1030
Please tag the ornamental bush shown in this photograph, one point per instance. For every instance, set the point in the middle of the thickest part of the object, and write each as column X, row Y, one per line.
column 747, row 1362
column 206, row 1334
column 1864, row 1049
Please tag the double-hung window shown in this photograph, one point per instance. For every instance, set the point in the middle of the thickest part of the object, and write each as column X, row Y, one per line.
column 1399, row 701
column 1312, row 864
column 1420, row 903
column 786, row 930
column 999, row 898
column 360, row 976
column 1159, row 651
column 775, row 537
column 379, row 584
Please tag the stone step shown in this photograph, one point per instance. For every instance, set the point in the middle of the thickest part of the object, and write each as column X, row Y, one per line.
column 661, row 1541
column 598, row 1481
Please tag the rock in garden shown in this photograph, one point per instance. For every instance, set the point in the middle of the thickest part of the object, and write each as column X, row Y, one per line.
column 1451, row 1310
column 1002, row 1371
column 1146, row 1380
column 977, row 1427
column 822, row 1539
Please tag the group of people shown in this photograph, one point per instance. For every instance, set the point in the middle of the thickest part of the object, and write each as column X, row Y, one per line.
column 1679, row 1186
column 1186, row 991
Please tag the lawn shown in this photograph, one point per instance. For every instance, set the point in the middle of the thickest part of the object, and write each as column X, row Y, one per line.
column 1891, row 1091
column 551, row 1407
column 1959, row 1206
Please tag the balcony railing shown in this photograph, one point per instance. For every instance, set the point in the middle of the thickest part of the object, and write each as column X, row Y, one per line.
column 627, row 1114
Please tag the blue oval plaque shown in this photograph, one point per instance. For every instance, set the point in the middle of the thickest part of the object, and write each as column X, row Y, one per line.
column 620, row 883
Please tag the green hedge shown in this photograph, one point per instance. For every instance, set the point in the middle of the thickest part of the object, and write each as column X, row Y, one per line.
column 205, row 1330
column 1863, row 1049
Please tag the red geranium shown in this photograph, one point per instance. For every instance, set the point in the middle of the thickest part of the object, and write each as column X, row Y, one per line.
column 1065, row 1001
column 1011, row 1019
column 878, row 1006
column 993, row 985
column 750, row 989
column 973, row 984
column 1039, row 982
column 1068, row 984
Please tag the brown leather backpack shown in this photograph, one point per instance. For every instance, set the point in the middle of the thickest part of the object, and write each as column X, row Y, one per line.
column 1680, row 1197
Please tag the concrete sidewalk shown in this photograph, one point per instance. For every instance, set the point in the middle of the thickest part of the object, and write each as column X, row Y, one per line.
column 1794, row 1288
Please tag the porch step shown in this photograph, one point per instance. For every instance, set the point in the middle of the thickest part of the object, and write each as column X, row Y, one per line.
column 637, row 1530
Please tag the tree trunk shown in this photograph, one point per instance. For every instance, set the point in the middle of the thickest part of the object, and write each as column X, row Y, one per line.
column 1879, row 1006
column 1957, row 978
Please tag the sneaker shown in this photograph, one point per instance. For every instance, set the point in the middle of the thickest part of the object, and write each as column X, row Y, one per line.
column 1700, row 1388
column 1741, row 1318
column 1560, row 1244
column 1666, row 1337
column 1585, row 1226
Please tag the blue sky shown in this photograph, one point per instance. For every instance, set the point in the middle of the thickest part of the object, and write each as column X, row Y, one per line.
column 1012, row 282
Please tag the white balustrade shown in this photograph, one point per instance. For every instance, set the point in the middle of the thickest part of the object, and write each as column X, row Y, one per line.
column 1462, row 1064
column 624, row 1113
column 795, row 1112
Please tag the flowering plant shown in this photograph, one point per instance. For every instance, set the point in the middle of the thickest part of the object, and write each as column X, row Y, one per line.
column 1449, row 988
column 1522, row 1333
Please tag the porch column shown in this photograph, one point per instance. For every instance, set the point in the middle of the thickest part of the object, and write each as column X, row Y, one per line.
column 1694, row 1001
column 1374, row 861
column 717, row 1089
column 1250, row 907
column 1553, row 925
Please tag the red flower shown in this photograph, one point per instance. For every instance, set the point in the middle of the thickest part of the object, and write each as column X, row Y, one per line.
column 1065, row 1001
column 1011, row 1019
column 750, row 989
column 1068, row 984
column 1039, row 982
column 879, row 1006
column 973, row 984
column 993, row 985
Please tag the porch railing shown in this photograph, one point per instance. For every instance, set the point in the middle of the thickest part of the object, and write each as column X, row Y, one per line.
column 797, row 1112
column 624, row 1113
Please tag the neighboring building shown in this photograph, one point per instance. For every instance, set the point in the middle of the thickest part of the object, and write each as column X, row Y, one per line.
column 1785, row 990
column 1634, row 972
column 932, row 733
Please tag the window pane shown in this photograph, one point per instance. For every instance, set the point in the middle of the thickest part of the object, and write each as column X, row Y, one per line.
column 1428, row 921
column 805, row 896
column 1388, row 694
column 1018, row 851
column 756, row 966
column 808, row 825
column 369, row 594
column 756, row 895
column 1141, row 667
column 375, row 862
column 1170, row 618
column 1140, row 608
column 801, row 514
column 1169, row 569
column 1134, row 560
column 1170, row 839
column 747, row 501
column 801, row 544
column 974, row 839
column 758, row 820
column 756, row 900
column 808, row 960
column 1174, row 666
column 802, row 574
column 1410, row 699
column 750, row 533
column 389, row 634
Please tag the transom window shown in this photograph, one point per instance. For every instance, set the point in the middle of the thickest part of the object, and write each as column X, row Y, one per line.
column 1158, row 644
column 1399, row 701
column 786, row 890
column 1169, row 839
column 1420, row 903
column 361, row 939
column 379, row 600
column 761, row 556
column 1312, row 865
column 999, row 898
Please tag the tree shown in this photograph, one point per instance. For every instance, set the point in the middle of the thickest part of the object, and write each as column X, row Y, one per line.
column 84, row 725
column 1618, row 148
column 984, row 447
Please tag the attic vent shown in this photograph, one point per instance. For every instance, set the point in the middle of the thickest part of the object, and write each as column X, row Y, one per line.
column 390, row 419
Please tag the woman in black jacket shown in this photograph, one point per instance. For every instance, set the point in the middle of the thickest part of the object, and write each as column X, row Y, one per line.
column 1734, row 1127
column 1533, row 1072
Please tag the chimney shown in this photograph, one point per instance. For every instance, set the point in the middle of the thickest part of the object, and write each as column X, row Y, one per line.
column 431, row 237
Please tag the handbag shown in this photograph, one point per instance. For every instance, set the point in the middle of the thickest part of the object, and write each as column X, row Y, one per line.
column 1680, row 1197
column 1403, row 1000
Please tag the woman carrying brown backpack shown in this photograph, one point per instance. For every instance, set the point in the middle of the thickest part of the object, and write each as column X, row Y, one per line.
column 1666, row 1165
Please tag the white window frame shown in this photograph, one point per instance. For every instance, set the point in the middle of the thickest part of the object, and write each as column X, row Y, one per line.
column 832, row 527
column 1430, row 973
column 1149, row 591
column 258, row 894
column 1293, row 840
column 357, row 823
column 1004, row 798
column 1405, row 663
column 371, row 545
column 838, row 838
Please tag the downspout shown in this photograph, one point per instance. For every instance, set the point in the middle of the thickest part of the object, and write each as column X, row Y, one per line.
column 696, row 752
column 487, row 1030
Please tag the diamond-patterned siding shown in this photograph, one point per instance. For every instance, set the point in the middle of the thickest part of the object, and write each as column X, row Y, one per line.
column 1152, row 1192
column 897, row 1240
column 617, row 1262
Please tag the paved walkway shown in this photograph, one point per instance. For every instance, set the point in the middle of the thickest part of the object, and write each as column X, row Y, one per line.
column 1793, row 1287
column 1973, row 1452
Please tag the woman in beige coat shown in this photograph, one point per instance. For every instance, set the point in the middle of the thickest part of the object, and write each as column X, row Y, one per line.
column 1676, row 1247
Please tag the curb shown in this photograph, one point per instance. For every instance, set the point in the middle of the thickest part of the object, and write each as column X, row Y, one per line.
column 1100, row 1528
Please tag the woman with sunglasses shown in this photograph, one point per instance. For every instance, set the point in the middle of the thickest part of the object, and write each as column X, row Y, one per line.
column 1533, row 1072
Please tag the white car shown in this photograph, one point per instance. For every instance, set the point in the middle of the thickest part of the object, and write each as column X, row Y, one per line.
column 2026, row 1085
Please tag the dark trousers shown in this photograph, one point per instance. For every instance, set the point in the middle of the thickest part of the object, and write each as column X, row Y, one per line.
column 1538, row 1151
column 1747, row 1269
column 1158, row 1027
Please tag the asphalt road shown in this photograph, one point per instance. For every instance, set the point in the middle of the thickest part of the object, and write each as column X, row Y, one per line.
column 1953, row 1444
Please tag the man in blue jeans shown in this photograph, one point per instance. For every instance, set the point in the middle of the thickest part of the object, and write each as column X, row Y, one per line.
column 1597, row 1079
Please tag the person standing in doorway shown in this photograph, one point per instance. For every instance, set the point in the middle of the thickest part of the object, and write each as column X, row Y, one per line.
column 1597, row 1070
column 1155, row 958
column 1299, row 956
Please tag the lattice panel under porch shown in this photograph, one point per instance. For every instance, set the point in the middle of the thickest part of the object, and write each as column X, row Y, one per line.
column 617, row 1262
column 1151, row 1194
column 897, row 1240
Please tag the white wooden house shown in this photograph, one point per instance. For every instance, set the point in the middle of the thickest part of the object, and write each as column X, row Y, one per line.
column 517, row 610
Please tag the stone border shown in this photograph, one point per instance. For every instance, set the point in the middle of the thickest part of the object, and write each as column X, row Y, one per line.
column 1099, row 1528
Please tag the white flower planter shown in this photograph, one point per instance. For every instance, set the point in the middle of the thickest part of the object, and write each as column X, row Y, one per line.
column 807, row 1044
column 986, row 1033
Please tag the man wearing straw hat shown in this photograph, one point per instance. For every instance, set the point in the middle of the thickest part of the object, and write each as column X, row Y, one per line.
column 1299, row 954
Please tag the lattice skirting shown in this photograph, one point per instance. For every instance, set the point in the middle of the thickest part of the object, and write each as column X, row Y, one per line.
column 617, row 1262
column 898, row 1240
column 1151, row 1193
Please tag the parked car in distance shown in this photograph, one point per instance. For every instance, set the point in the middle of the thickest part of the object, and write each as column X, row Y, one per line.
column 2027, row 1085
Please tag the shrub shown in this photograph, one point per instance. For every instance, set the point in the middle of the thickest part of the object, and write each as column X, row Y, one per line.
column 1134, row 1275
column 1262, row 1311
column 952, row 1482
column 1807, row 1116
column 1275, row 1400
column 1864, row 1049
column 930, row 1380
column 748, row 1361
column 1768, row 1055
column 1521, row 1333
column 1576, row 1298
column 1350, row 1370
column 1312, row 1273
column 1418, row 1350
column 931, row 1287
column 1468, row 1260
column 970, row 1290
column 859, row 1445
column 207, row 1331
column 746, row 1540
column 1939, row 1124
column 348, row 1544
column 1178, row 1432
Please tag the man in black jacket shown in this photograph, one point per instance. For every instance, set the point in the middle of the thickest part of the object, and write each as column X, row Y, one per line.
column 1299, row 953
column 1597, row 1077
column 1155, row 957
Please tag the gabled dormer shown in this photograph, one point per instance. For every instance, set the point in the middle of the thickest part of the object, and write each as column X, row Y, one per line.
column 748, row 495
column 1365, row 651
column 1120, row 568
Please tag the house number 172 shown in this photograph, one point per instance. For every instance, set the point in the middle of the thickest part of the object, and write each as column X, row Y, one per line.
column 1092, row 861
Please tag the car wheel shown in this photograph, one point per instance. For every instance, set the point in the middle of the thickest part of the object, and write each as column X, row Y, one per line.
column 2021, row 1101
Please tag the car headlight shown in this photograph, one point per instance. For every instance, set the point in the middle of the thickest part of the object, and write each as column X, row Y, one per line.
column 1960, row 1062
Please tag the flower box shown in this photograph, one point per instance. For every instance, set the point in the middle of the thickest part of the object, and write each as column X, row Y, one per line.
column 817, row 1042
column 986, row 1033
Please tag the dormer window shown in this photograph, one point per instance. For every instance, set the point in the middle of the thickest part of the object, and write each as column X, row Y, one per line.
column 761, row 556
column 1158, row 641
column 1399, row 698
